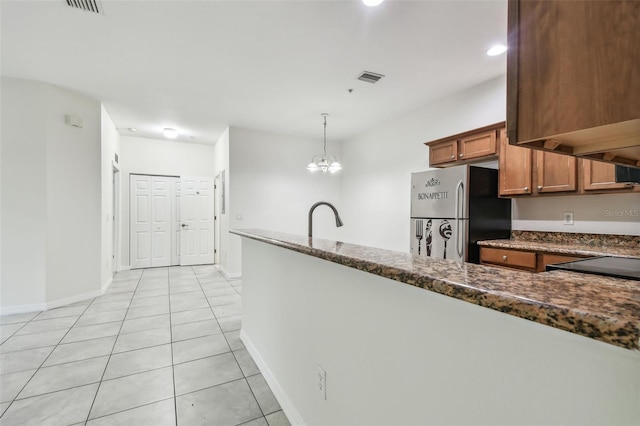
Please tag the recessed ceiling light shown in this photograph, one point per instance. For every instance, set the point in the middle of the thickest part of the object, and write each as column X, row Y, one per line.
column 497, row 49
column 372, row 2
column 170, row 133
column 132, row 129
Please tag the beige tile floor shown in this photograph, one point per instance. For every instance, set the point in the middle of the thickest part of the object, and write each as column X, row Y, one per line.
column 161, row 347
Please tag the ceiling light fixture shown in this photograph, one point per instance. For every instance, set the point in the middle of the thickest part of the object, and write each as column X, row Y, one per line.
column 322, row 162
column 132, row 129
column 372, row 3
column 170, row 133
column 496, row 50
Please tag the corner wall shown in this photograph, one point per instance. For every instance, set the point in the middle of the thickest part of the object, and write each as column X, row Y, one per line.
column 51, row 198
column 110, row 147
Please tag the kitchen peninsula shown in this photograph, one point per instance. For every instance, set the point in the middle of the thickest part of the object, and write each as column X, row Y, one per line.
column 408, row 340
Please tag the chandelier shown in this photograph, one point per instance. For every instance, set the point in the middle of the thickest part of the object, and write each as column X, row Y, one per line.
column 322, row 162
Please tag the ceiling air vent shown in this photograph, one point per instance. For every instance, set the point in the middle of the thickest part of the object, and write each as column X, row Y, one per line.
column 94, row 6
column 370, row 77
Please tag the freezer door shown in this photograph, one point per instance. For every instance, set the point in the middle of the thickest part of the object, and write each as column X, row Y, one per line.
column 440, row 193
column 439, row 238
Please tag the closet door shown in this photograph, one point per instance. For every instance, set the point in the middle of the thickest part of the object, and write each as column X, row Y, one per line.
column 140, row 221
column 196, row 226
column 150, row 221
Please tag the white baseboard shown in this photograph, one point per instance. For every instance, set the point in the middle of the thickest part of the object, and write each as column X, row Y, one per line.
column 228, row 275
column 124, row 268
column 20, row 309
column 285, row 403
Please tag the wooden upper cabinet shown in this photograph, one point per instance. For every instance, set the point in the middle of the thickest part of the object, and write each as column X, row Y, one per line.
column 599, row 176
column 479, row 145
column 573, row 76
column 463, row 148
column 514, row 168
column 443, row 152
column 555, row 172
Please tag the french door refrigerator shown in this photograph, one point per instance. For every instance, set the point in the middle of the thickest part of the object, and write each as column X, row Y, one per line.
column 454, row 208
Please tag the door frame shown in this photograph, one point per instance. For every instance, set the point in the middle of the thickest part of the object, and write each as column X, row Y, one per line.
column 115, row 218
column 217, row 191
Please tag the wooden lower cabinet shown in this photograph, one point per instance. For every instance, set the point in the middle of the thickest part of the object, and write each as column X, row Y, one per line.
column 522, row 259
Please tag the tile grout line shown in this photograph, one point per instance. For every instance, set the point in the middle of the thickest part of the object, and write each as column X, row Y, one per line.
column 45, row 360
column 173, row 369
column 244, row 376
column 111, row 353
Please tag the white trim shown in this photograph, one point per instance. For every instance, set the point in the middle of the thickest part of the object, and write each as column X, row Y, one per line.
column 10, row 310
column 229, row 275
column 20, row 309
column 106, row 285
column 285, row 403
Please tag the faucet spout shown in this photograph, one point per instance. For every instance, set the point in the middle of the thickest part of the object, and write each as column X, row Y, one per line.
column 313, row 207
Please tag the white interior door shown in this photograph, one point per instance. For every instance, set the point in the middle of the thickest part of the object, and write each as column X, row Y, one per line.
column 150, row 221
column 175, row 221
column 161, row 221
column 197, row 225
column 140, row 221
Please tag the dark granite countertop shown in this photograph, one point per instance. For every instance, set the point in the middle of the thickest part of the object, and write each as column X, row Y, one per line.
column 601, row 308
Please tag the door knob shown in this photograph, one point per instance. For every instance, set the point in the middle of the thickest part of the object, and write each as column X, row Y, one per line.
column 184, row 225
column 504, row 257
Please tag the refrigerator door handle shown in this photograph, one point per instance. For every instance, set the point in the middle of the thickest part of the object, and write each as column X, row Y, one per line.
column 459, row 206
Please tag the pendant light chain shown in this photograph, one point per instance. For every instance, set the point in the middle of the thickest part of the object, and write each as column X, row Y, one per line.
column 325, row 136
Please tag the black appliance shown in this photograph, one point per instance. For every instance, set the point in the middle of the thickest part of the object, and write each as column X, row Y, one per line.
column 610, row 266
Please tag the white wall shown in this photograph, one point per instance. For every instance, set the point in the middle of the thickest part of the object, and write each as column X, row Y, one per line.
column 73, row 196
column 50, row 197
column 270, row 187
column 593, row 214
column 399, row 355
column 110, row 147
column 157, row 157
column 378, row 164
column 24, row 214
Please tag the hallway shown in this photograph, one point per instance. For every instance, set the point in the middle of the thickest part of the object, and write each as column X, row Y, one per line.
column 160, row 347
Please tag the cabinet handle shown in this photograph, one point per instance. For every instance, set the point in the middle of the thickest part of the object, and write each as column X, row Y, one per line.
column 504, row 257
column 461, row 155
column 453, row 156
column 539, row 187
column 526, row 188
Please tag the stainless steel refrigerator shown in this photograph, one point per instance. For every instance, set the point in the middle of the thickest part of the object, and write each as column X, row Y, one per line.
column 454, row 208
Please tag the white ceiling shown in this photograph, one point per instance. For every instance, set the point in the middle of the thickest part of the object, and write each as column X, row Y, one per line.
column 200, row 66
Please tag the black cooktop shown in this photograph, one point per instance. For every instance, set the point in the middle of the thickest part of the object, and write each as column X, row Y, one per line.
column 619, row 267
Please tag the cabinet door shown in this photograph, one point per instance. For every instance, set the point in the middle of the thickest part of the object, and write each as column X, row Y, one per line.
column 598, row 175
column 555, row 172
column 515, row 168
column 480, row 145
column 572, row 65
column 444, row 152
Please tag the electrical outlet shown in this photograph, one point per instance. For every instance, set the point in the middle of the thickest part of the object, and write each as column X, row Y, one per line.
column 322, row 382
column 567, row 218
